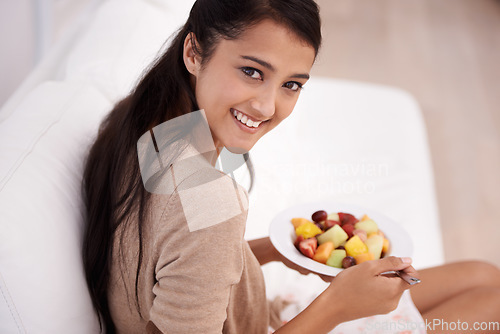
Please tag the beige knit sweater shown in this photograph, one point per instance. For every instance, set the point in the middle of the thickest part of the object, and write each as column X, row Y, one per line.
column 198, row 274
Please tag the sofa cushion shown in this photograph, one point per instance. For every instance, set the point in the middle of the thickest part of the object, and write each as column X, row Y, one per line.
column 42, row 147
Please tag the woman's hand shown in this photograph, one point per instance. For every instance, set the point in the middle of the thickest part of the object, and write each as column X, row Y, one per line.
column 356, row 292
column 363, row 291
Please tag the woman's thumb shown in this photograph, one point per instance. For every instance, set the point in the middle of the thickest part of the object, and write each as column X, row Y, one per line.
column 392, row 263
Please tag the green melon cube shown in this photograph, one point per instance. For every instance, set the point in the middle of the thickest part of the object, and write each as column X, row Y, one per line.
column 375, row 244
column 335, row 234
column 367, row 225
column 336, row 257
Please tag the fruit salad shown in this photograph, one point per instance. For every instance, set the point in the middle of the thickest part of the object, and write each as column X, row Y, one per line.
column 339, row 239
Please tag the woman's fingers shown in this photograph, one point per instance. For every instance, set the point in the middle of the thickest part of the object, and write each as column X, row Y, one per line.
column 399, row 264
column 411, row 271
column 364, row 289
column 392, row 263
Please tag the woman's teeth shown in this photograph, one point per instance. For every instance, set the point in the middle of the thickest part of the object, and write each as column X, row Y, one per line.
column 245, row 120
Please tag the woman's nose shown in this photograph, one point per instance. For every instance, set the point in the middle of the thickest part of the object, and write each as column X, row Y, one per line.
column 265, row 103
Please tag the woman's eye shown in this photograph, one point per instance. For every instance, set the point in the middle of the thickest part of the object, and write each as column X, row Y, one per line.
column 252, row 73
column 292, row 85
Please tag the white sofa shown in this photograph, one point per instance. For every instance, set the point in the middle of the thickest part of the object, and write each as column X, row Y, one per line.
column 346, row 141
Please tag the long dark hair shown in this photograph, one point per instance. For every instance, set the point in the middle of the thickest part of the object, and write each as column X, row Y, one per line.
column 112, row 184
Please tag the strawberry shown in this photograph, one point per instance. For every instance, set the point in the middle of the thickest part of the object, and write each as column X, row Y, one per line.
column 308, row 247
column 297, row 242
column 330, row 223
column 347, row 218
column 348, row 228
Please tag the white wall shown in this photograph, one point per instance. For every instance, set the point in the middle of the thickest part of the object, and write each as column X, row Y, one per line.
column 28, row 29
column 17, row 44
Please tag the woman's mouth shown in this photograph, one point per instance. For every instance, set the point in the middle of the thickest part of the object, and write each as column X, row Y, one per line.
column 244, row 119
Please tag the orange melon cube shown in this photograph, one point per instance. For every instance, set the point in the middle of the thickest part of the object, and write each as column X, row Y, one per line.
column 299, row 221
column 365, row 217
column 360, row 258
column 323, row 252
column 386, row 246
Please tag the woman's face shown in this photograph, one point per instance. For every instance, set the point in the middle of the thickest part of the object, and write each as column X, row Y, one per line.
column 250, row 84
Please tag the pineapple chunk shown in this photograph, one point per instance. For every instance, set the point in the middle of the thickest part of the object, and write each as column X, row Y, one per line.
column 355, row 246
column 299, row 221
column 308, row 230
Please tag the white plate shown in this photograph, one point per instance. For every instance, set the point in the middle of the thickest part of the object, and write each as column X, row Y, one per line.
column 282, row 233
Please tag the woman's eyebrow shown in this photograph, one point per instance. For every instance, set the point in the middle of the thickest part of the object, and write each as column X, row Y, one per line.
column 261, row 62
column 271, row 67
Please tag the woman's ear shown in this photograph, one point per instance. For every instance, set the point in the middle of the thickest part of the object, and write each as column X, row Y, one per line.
column 191, row 57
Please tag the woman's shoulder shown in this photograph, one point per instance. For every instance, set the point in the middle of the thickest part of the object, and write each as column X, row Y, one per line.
column 194, row 193
column 201, row 215
column 207, row 197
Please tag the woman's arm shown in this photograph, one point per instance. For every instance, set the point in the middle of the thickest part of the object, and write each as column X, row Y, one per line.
column 356, row 292
column 312, row 319
column 264, row 250
column 321, row 316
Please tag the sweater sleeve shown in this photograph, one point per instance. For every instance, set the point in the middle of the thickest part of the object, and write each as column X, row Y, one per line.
column 200, row 256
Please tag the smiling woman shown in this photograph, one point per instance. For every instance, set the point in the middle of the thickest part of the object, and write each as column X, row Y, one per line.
column 177, row 261
column 251, row 83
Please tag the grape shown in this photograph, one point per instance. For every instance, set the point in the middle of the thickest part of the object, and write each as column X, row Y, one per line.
column 348, row 261
column 346, row 222
column 319, row 216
